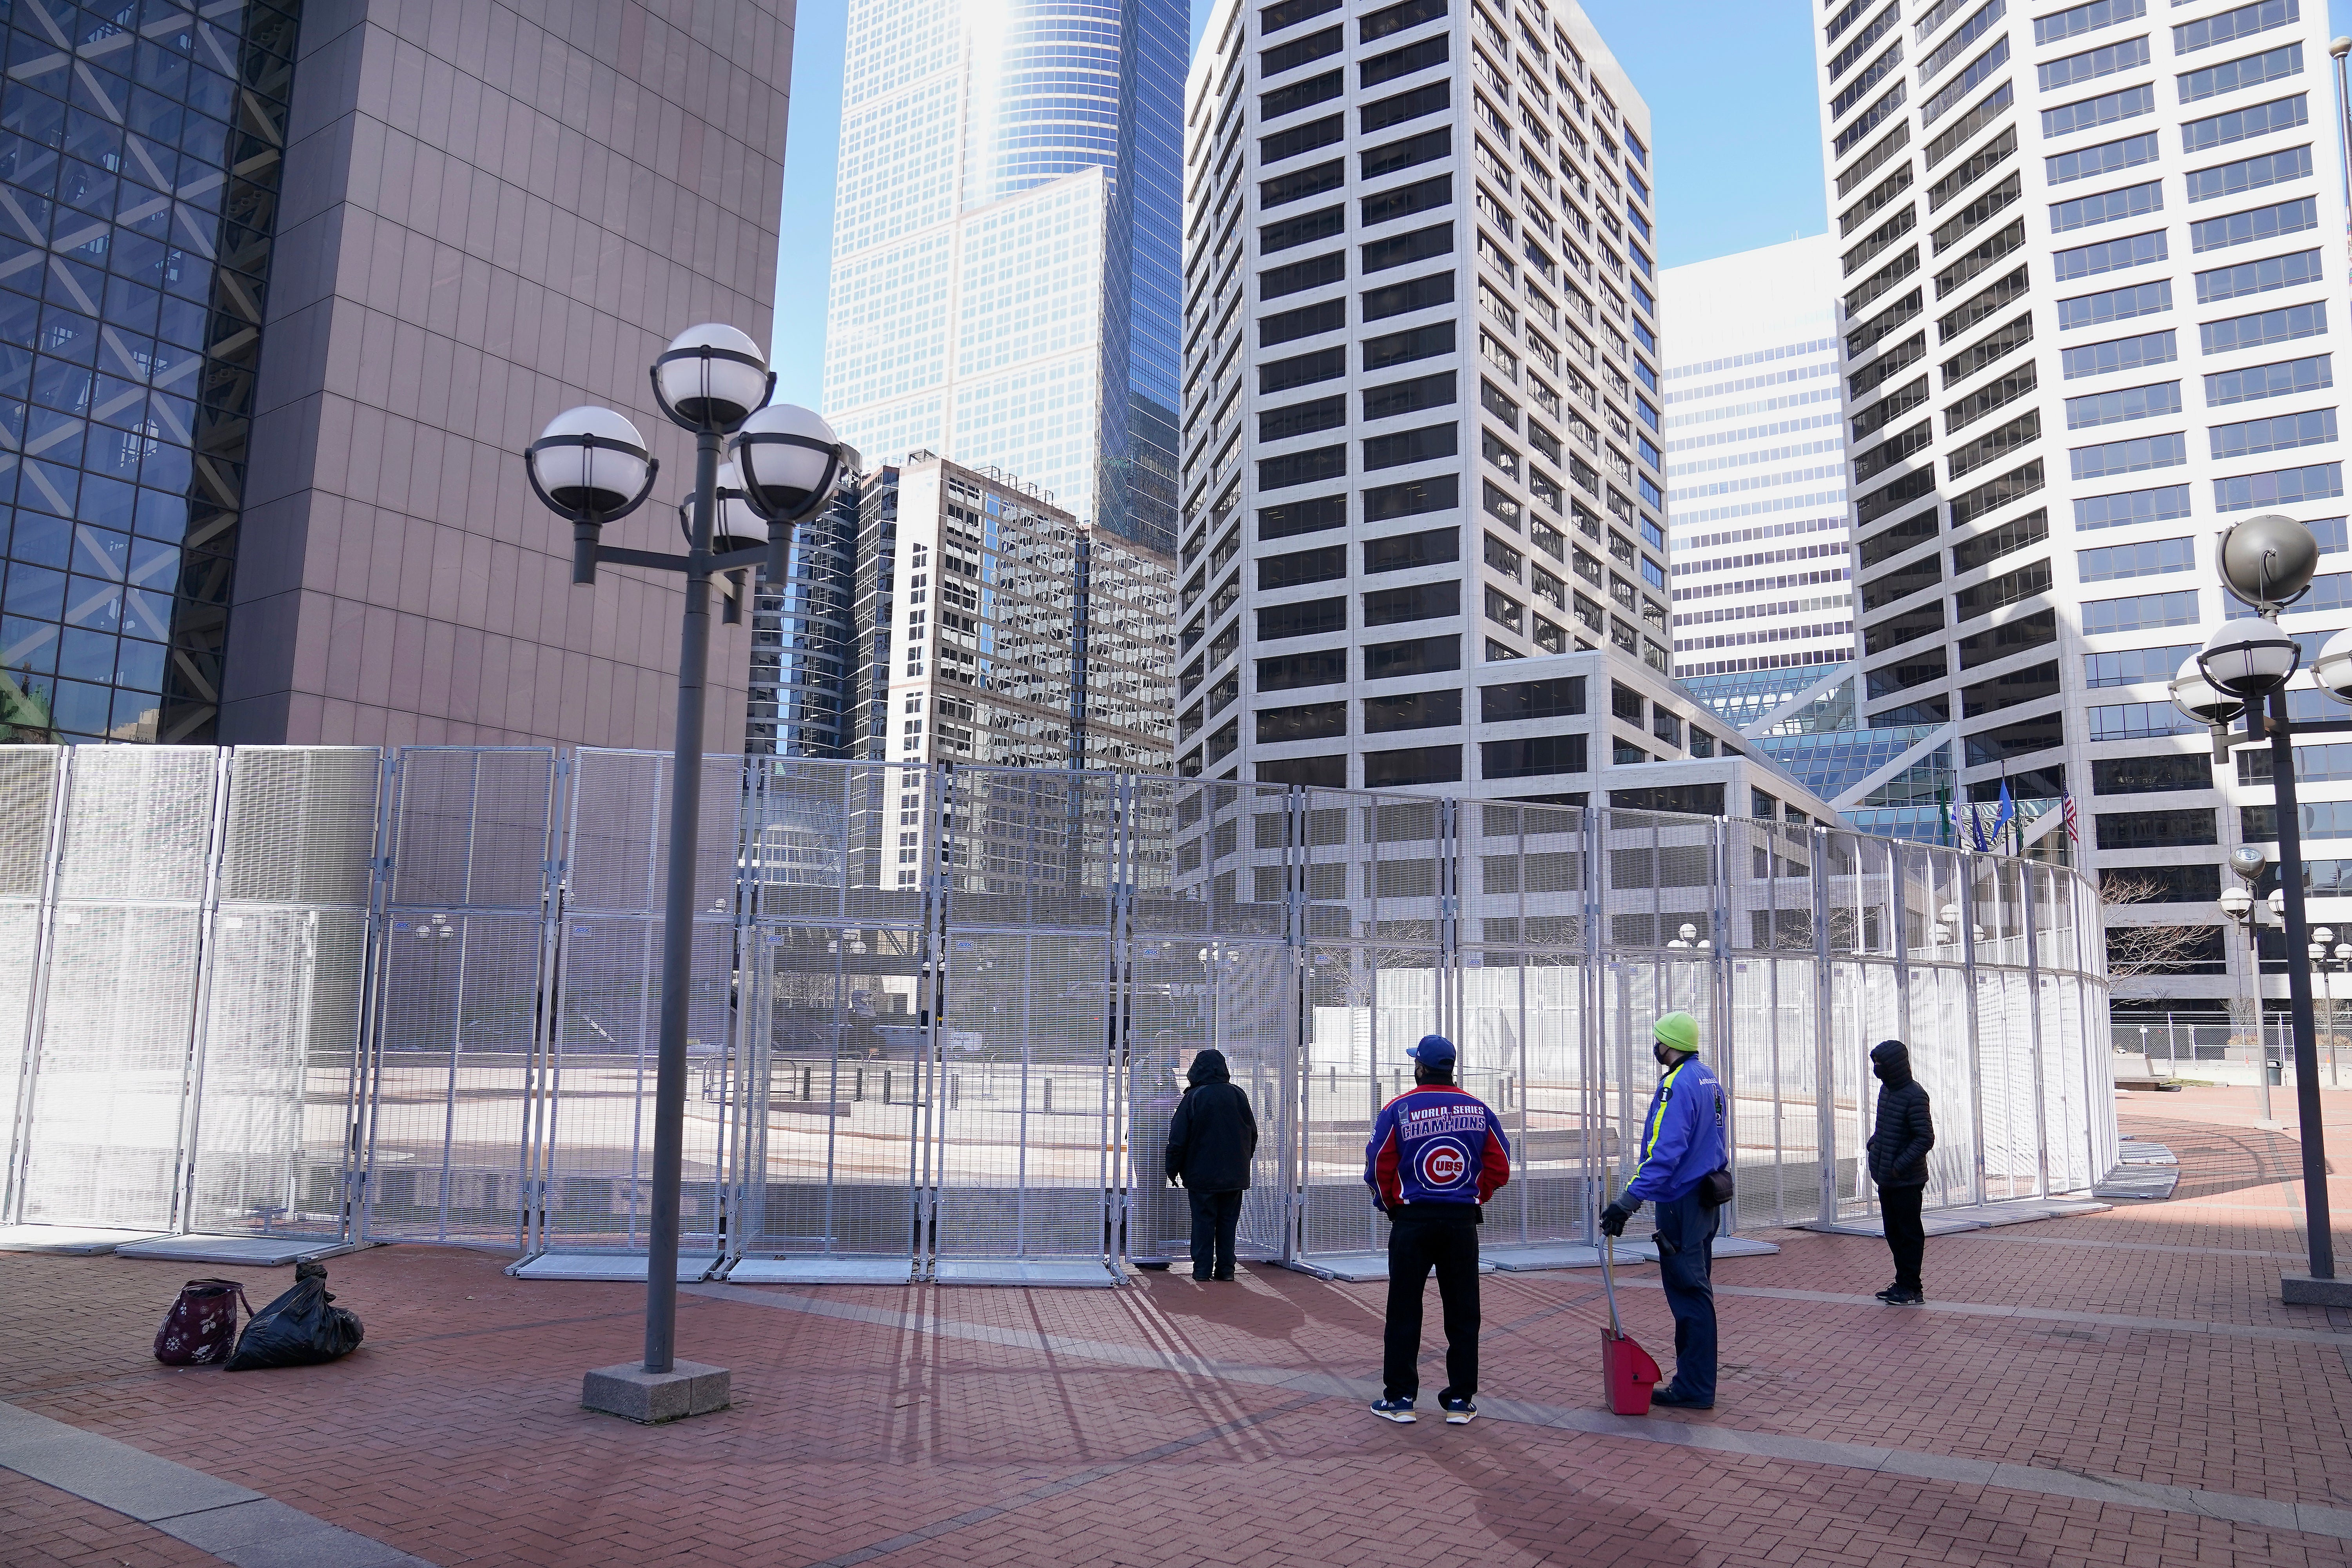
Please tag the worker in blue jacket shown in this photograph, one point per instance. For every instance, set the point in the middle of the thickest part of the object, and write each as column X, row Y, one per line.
column 1684, row 1142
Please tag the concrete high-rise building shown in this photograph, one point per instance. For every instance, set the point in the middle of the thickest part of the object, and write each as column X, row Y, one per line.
column 1021, row 636
column 1756, row 464
column 2090, row 318
column 1421, row 399
column 1005, row 246
column 283, row 293
column 803, row 638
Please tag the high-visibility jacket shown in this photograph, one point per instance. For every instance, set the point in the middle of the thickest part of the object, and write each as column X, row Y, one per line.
column 1684, row 1137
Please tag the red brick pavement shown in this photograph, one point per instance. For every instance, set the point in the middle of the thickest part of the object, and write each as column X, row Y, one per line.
column 454, row 1433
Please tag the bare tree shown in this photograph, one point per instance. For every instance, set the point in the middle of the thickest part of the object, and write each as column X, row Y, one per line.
column 2137, row 950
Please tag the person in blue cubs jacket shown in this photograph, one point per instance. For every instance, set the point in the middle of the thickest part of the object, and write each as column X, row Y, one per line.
column 1682, row 1143
column 1436, row 1155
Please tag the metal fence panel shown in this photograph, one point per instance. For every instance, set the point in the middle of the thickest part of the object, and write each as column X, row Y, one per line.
column 108, row 1097
column 461, row 971
column 1365, row 1005
column 276, row 1083
column 1026, row 1159
column 107, row 1103
column 1186, row 994
column 275, row 1100
column 836, row 1105
column 30, row 778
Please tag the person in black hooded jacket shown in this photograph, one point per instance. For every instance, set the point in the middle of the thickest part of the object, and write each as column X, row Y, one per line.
column 1899, row 1142
column 1211, row 1140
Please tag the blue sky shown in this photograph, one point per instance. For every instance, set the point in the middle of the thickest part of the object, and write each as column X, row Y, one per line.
column 1730, row 89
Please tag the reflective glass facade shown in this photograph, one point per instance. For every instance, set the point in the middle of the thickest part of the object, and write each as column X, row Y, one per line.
column 1005, row 246
column 141, row 150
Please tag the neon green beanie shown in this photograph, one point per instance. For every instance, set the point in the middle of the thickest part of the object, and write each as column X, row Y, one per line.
column 1678, row 1031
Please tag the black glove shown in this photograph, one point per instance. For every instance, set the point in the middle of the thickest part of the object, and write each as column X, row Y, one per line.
column 1613, row 1218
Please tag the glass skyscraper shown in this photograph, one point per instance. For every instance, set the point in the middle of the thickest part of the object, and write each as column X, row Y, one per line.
column 141, row 150
column 1006, row 248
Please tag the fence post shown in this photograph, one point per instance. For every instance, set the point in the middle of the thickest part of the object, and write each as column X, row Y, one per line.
column 1825, row 1025
column 1965, row 871
column 2034, row 1033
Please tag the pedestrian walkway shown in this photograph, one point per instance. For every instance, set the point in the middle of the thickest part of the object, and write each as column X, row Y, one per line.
column 2114, row 1387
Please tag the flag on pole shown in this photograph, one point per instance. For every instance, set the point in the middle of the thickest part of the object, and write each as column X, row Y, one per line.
column 1976, row 827
column 2008, row 812
column 2073, row 818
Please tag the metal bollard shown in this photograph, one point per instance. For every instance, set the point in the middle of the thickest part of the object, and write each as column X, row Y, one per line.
column 955, row 1091
column 807, row 1083
column 886, row 1086
column 857, row 1088
column 1049, row 1096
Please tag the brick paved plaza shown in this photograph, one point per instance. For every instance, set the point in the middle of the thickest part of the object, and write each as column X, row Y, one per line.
column 2131, row 1375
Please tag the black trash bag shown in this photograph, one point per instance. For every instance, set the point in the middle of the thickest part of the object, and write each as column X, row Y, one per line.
column 301, row 1328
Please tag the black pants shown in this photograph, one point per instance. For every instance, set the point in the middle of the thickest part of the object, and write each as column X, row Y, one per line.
column 1215, row 1217
column 1416, row 1246
column 1685, row 1238
column 1906, row 1237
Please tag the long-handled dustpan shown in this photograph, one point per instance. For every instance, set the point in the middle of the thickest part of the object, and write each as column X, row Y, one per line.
column 1627, row 1372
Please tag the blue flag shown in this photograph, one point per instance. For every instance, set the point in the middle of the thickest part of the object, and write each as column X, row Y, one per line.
column 2008, row 812
column 1976, row 827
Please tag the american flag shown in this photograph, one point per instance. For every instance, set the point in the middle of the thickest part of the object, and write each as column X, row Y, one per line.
column 2074, row 821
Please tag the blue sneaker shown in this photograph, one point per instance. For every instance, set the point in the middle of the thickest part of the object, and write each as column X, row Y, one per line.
column 1459, row 1412
column 1398, row 1410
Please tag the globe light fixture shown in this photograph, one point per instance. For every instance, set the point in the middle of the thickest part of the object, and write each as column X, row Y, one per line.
column 2333, row 669
column 711, row 377
column 590, row 466
column 2237, row 903
column 2194, row 695
column 2249, row 659
column 788, row 458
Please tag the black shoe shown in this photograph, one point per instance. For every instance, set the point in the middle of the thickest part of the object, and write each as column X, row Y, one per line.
column 1199, row 1278
column 1225, row 1275
column 1901, row 1295
column 1668, row 1396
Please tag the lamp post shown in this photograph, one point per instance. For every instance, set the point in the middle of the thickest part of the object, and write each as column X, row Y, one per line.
column 2334, row 1030
column 2238, row 906
column 592, row 467
column 2336, row 49
column 2322, row 938
column 2266, row 561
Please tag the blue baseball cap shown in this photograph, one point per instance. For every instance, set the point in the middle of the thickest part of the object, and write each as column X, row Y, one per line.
column 1435, row 1050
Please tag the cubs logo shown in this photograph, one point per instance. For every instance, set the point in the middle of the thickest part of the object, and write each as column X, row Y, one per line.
column 1443, row 1164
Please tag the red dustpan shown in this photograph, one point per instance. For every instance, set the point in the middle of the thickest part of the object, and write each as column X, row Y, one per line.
column 1627, row 1372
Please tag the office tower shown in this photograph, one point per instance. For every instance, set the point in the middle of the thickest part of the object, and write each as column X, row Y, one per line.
column 279, row 312
column 1021, row 636
column 1756, row 464
column 1763, row 582
column 1004, row 246
column 518, row 225
column 804, row 640
column 2086, row 324
column 1422, row 396
column 143, row 174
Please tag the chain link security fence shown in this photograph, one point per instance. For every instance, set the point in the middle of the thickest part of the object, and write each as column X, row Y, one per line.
column 941, row 1016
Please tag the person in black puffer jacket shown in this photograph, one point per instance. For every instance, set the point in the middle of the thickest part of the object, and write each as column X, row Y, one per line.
column 1211, row 1140
column 1899, row 1142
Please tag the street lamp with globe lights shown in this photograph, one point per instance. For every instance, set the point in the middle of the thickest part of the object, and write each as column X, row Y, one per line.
column 2267, row 562
column 592, row 467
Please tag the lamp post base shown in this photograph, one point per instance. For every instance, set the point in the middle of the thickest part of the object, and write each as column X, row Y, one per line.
column 690, row 1388
column 2303, row 1290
